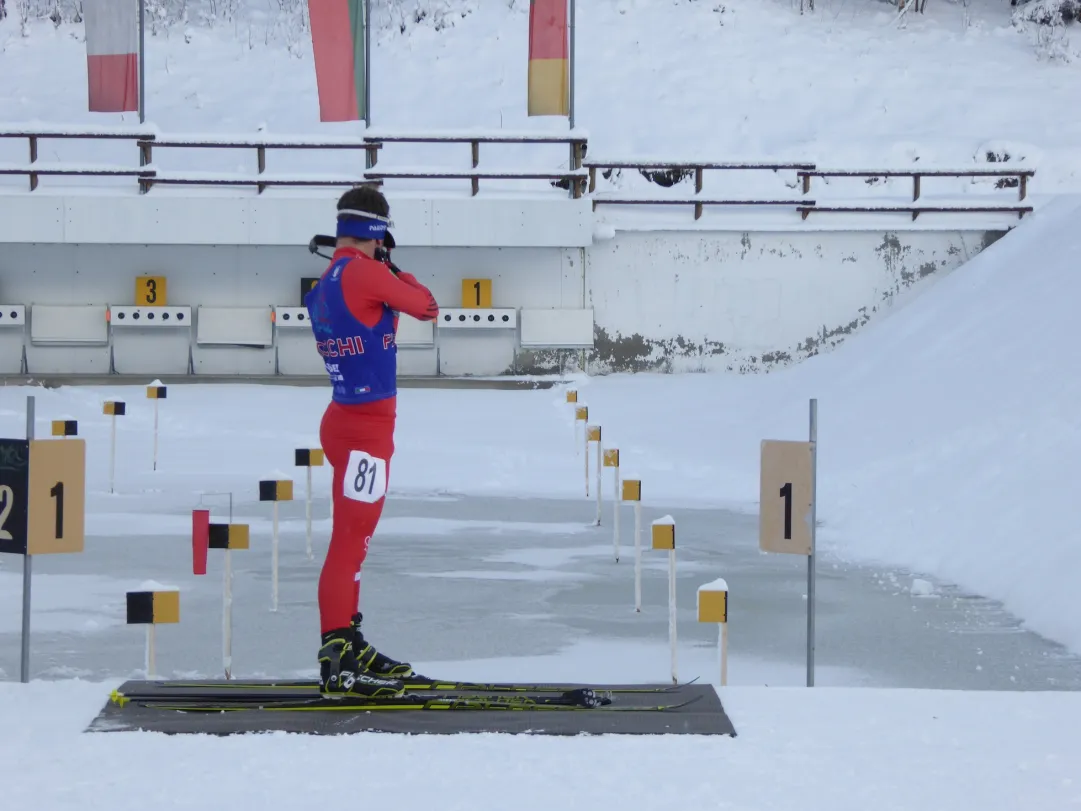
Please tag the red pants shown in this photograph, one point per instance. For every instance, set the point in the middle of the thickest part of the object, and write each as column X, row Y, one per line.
column 358, row 442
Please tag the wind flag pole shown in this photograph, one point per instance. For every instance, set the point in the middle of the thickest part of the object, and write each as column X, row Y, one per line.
column 570, row 82
column 368, row 163
column 142, row 68
column 550, row 88
column 367, row 64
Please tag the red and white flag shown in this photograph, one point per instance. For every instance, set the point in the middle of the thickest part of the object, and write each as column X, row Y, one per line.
column 112, row 54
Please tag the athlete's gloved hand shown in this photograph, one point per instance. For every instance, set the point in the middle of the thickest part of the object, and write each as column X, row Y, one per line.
column 383, row 255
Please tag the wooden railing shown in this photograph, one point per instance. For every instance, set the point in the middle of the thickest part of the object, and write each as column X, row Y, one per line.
column 667, row 173
column 262, row 180
column 1005, row 174
column 34, row 136
column 674, row 171
column 370, row 145
column 574, row 179
column 697, row 167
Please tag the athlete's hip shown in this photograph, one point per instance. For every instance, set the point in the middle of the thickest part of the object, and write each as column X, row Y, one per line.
column 367, row 427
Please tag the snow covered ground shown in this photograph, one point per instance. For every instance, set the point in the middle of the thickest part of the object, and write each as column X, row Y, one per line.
column 945, row 438
column 835, row 750
column 947, row 431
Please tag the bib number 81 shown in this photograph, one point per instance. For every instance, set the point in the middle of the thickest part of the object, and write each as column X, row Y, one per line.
column 365, row 477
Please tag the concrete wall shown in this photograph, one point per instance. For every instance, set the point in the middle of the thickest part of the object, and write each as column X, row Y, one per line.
column 261, row 276
column 229, row 219
column 693, row 301
column 563, row 290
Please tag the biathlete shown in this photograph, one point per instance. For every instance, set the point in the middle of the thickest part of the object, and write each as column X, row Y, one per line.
column 354, row 311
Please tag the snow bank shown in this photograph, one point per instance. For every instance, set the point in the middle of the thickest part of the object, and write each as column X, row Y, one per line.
column 948, row 430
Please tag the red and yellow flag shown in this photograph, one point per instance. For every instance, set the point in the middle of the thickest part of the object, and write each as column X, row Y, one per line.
column 338, row 40
column 549, row 85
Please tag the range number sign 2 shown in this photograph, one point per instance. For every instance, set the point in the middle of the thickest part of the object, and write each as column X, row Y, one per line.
column 42, row 496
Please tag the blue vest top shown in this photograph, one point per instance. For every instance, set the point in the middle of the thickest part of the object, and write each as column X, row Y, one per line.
column 361, row 361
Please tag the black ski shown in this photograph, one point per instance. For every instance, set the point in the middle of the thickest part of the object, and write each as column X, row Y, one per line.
column 584, row 698
column 406, row 703
column 412, row 683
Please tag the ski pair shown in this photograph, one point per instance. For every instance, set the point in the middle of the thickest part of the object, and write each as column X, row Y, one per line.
column 580, row 698
column 407, row 703
column 411, row 684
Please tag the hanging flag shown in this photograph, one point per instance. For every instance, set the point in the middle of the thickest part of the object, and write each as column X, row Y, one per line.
column 112, row 54
column 338, row 42
column 549, row 86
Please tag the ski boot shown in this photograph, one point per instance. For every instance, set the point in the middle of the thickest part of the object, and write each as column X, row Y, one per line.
column 340, row 675
column 372, row 660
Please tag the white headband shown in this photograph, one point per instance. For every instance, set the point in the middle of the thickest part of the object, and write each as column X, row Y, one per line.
column 349, row 212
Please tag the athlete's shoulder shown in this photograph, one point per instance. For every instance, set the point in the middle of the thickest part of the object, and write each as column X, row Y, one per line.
column 364, row 265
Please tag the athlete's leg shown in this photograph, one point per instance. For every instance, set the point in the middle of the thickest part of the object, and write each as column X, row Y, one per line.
column 340, row 670
column 354, row 524
column 359, row 486
column 359, row 451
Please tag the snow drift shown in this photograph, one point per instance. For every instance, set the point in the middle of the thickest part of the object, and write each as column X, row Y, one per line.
column 964, row 421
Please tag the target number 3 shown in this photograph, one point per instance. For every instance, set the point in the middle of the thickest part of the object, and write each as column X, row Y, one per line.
column 365, row 477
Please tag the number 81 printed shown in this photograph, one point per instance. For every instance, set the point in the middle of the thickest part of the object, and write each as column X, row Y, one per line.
column 365, row 477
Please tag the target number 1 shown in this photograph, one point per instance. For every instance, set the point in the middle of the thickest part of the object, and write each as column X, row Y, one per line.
column 57, row 492
column 786, row 494
column 476, row 293
column 785, row 497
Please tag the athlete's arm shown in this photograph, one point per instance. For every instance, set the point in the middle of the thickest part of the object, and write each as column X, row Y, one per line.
column 430, row 309
column 410, row 279
column 368, row 285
